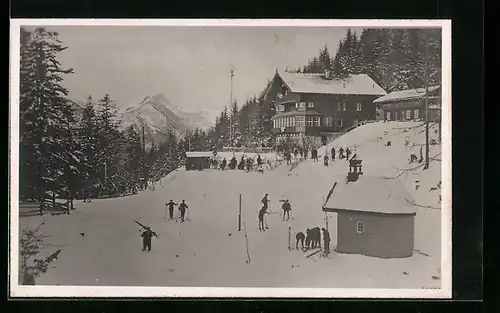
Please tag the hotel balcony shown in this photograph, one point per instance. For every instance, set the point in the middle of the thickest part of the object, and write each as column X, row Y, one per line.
column 289, row 98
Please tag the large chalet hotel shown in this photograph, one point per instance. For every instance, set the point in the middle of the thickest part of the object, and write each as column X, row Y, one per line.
column 319, row 107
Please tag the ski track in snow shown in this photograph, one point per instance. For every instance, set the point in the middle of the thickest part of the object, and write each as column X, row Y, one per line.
column 202, row 253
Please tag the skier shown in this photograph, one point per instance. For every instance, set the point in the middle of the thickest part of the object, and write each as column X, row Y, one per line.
column 259, row 160
column 341, row 153
column 301, row 151
column 223, row 164
column 262, row 212
column 170, row 206
column 286, row 209
column 305, row 153
column 333, row 153
column 300, row 237
column 326, row 241
column 325, row 160
column 241, row 165
column 265, row 201
column 182, row 208
column 147, row 234
column 288, row 158
column 347, row 153
column 295, row 152
column 248, row 164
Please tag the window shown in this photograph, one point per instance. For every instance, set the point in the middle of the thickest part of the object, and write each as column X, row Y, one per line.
column 360, row 227
column 302, row 105
column 328, row 121
column 287, row 122
column 339, row 122
column 309, row 121
column 358, row 106
column 317, row 121
column 301, row 121
column 344, row 106
column 388, row 116
column 415, row 114
column 338, row 106
column 310, row 104
column 408, row 114
column 293, row 122
column 274, row 123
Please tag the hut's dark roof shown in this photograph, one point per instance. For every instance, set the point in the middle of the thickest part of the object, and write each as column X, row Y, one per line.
column 370, row 194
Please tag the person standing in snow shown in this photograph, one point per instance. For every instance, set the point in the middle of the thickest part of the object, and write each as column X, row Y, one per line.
column 259, row 160
column 325, row 160
column 146, row 239
column 295, row 152
column 262, row 212
column 182, row 208
column 223, row 164
column 286, row 209
column 326, row 241
column 301, row 151
column 341, row 153
column 170, row 206
column 306, row 152
column 300, row 237
column 333, row 153
column 265, row 201
column 347, row 153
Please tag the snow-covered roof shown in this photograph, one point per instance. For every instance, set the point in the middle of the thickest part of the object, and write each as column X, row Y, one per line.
column 199, row 154
column 405, row 94
column 370, row 194
column 360, row 84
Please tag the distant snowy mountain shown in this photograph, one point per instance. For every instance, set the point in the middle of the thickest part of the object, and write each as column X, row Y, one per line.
column 159, row 115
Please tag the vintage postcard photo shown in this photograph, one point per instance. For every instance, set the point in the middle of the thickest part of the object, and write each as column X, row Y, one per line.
column 230, row 158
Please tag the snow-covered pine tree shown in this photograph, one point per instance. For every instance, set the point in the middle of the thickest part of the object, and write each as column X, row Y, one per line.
column 111, row 143
column 134, row 156
column 235, row 124
column 325, row 60
column 47, row 147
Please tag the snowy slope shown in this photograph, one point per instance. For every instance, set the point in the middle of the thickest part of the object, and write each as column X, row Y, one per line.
column 209, row 251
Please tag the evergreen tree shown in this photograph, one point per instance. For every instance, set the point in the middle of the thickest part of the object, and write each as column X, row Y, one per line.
column 48, row 149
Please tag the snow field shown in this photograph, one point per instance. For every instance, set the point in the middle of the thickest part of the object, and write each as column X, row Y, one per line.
column 209, row 251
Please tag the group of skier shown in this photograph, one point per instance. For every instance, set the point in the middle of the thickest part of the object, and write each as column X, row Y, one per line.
column 312, row 239
column 182, row 209
column 343, row 154
column 247, row 163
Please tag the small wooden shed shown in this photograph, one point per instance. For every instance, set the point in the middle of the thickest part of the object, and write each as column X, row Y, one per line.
column 198, row 160
column 375, row 217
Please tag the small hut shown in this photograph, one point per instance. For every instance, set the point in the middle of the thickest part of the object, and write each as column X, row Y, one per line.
column 198, row 160
column 375, row 217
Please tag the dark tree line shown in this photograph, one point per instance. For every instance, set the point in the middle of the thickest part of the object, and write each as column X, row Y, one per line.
column 71, row 154
column 396, row 59
column 248, row 125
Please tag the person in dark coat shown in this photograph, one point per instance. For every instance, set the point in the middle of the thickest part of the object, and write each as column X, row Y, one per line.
column 248, row 164
column 333, row 153
column 300, row 237
column 265, row 201
column 241, row 165
column 262, row 212
column 170, row 206
column 347, row 153
column 146, row 239
column 306, row 152
column 301, row 151
column 223, row 164
column 182, row 208
column 295, row 152
column 325, row 160
column 326, row 240
column 341, row 153
column 286, row 209
column 259, row 160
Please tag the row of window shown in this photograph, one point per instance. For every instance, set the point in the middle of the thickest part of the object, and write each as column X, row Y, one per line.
column 340, row 106
column 343, row 106
column 308, row 121
column 405, row 114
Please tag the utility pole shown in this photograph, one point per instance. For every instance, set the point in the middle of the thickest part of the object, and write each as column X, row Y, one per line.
column 144, row 157
column 426, row 166
column 231, row 109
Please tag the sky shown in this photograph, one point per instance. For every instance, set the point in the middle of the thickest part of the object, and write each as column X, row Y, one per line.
column 189, row 65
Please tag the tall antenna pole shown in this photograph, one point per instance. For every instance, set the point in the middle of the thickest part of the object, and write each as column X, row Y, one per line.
column 426, row 166
column 231, row 108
